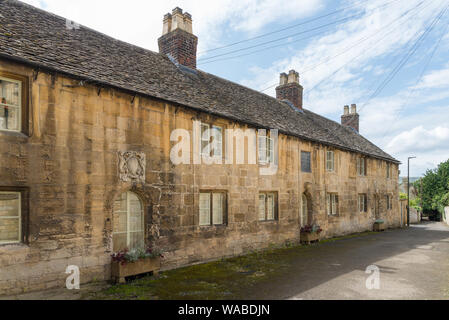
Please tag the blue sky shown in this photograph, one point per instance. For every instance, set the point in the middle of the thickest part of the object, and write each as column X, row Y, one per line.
column 356, row 54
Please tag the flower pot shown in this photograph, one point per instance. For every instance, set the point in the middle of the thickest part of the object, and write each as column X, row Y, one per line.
column 309, row 237
column 379, row 227
column 119, row 270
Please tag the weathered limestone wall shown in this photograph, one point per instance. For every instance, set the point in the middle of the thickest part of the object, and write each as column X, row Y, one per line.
column 70, row 166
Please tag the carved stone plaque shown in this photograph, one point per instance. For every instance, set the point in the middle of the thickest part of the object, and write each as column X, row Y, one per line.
column 131, row 166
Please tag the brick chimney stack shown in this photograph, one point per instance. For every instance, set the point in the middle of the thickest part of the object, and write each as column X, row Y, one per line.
column 177, row 39
column 290, row 89
column 350, row 119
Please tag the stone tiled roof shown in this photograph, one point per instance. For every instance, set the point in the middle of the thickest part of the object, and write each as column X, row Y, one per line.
column 42, row 39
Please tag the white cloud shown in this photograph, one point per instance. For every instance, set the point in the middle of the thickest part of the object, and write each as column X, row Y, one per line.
column 140, row 21
column 421, row 140
column 435, row 79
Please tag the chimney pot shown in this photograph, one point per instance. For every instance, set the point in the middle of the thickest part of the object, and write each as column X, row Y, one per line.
column 167, row 24
column 350, row 119
column 290, row 89
column 177, row 39
column 293, row 77
column 283, row 78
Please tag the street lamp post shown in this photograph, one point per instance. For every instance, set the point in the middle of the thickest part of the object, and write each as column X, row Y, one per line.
column 408, row 190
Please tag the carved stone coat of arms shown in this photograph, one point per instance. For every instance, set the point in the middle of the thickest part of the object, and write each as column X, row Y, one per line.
column 131, row 166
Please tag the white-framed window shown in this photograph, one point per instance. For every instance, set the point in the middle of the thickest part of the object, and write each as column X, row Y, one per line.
column 217, row 142
column 212, row 208
column 10, row 104
column 265, row 148
column 211, row 141
column 363, row 203
column 10, row 217
column 329, row 161
column 128, row 222
column 361, row 166
column 205, row 139
column 267, row 206
column 332, row 204
column 304, row 210
column 389, row 202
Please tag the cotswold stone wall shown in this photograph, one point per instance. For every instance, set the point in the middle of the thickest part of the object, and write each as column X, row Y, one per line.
column 70, row 166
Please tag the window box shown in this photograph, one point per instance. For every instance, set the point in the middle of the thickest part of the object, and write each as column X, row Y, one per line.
column 310, row 233
column 122, row 270
column 308, row 238
column 379, row 225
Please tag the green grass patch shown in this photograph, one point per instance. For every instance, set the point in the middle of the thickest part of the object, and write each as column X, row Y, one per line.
column 223, row 279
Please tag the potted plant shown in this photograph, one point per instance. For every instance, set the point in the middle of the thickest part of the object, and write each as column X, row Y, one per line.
column 379, row 225
column 132, row 262
column 310, row 233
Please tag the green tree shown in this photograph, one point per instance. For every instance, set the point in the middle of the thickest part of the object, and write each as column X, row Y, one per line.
column 433, row 188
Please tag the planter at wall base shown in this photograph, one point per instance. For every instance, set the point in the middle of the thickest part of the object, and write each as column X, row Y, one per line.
column 120, row 271
column 309, row 237
column 379, row 227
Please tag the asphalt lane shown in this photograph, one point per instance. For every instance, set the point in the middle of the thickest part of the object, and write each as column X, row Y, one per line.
column 412, row 263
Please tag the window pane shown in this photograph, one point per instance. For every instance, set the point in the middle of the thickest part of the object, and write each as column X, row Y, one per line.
column 304, row 210
column 205, row 139
column 305, row 161
column 217, row 142
column 217, row 205
column 10, row 104
column 136, row 240
column 128, row 230
column 262, row 146
column 270, row 207
column 9, row 230
column 119, row 217
column 135, row 213
column 204, row 209
column 10, row 217
column 261, row 206
column 9, row 204
column 119, row 241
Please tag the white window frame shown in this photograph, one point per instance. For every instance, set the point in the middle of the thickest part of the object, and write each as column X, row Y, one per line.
column 205, row 138
column 265, row 149
column 363, row 202
column 217, row 142
column 266, row 196
column 211, row 221
column 127, row 211
column 18, row 108
column 361, row 166
column 332, row 204
column 304, row 210
column 330, row 161
column 19, row 217
column 389, row 202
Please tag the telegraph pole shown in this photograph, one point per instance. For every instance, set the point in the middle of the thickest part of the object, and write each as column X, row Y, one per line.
column 408, row 190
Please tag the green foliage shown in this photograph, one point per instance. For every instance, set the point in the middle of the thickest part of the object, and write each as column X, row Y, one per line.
column 402, row 196
column 434, row 188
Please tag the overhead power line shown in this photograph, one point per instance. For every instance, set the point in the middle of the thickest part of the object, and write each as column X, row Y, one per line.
column 295, row 34
column 346, row 49
column 405, row 59
column 363, row 52
column 426, row 65
column 283, row 29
